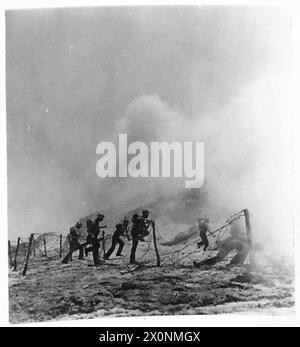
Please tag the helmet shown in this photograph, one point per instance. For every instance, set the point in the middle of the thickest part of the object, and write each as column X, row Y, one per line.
column 100, row 216
column 135, row 217
column 78, row 225
column 145, row 213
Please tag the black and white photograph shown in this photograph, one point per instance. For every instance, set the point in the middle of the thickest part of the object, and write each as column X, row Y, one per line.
column 149, row 162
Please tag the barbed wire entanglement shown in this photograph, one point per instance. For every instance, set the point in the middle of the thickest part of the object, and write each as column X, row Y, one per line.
column 183, row 255
column 47, row 247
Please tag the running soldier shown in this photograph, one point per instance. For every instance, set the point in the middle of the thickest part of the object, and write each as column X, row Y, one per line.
column 203, row 226
column 116, row 239
column 236, row 242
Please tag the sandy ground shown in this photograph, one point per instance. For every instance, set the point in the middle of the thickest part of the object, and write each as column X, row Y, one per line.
column 51, row 291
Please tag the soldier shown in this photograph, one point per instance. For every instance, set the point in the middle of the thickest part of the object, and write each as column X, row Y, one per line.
column 203, row 226
column 236, row 242
column 94, row 232
column 140, row 229
column 116, row 239
column 144, row 225
column 74, row 244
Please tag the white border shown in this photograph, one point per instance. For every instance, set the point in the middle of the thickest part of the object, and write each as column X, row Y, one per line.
column 171, row 321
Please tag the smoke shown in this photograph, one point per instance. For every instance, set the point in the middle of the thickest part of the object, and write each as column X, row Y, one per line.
column 247, row 156
column 213, row 74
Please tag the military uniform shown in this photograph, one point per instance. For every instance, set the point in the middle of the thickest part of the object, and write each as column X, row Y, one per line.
column 204, row 229
column 238, row 243
column 140, row 229
column 95, row 230
column 74, row 245
column 116, row 240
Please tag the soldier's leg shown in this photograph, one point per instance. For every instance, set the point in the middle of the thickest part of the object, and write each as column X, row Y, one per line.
column 121, row 245
column 78, row 246
column 95, row 246
column 68, row 256
column 135, row 241
column 206, row 243
column 112, row 248
column 81, row 249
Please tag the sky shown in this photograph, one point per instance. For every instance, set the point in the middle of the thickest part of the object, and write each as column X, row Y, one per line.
column 76, row 77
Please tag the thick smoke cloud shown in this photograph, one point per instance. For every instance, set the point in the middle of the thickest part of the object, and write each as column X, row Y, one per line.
column 78, row 77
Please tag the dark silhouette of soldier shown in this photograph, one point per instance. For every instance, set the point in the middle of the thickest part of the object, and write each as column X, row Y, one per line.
column 140, row 226
column 93, row 232
column 203, row 226
column 235, row 242
column 74, row 244
column 116, row 240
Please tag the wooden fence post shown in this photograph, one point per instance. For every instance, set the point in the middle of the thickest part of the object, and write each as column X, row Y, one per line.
column 252, row 260
column 103, row 243
column 248, row 227
column 27, row 254
column 45, row 247
column 9, row 253
column 155, row 245
column 16, row 254
column 60, row 245
column 33, row 245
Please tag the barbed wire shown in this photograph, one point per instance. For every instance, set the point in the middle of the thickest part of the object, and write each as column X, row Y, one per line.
column 173, row 257
column 46, row 244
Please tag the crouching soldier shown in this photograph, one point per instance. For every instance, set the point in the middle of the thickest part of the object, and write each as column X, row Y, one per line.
column 74, row 244
column 116, row 239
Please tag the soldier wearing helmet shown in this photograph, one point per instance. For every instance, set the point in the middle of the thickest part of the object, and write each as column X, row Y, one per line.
column 94, row 232
column 140, row 229
column 116, row 239
column 203, row 226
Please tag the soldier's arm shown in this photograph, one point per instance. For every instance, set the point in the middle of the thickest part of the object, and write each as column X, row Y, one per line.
column 209, row 231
